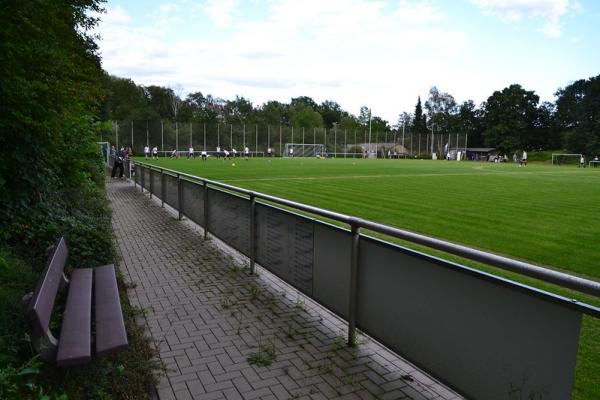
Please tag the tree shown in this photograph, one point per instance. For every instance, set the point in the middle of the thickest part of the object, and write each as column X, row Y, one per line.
column 364, row 116
column 510, row 117
column 238, row 111
column 331, row 112
column 578, row 115
column 440, row 108
column 419, row 125
column 274, row 113
column 468, row 121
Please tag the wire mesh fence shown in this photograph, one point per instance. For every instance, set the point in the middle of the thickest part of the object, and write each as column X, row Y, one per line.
column 167, row 135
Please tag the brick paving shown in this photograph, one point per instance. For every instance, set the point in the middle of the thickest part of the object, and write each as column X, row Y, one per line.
column 207, row 316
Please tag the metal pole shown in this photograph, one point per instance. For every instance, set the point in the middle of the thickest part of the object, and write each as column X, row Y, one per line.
column 205, row 136
column 314, row 136
column 231, row 135
column 147, row 133
column 176, row 140
column 302, row 138
column 151, row 183
column 132, row 136
column 369, row 133
column 256, row 140
column 419, row 145
column 269, row 136
column 205, row 210
column 179, row 198
column 384, row 156
column 280, row 138
column 244, row 134
column 403, row 126
column 345, row 142
column 162, row 137
column 352, row 301
column 162, row 188
column 293, row 137
column 117, row 134
column 191, row 136
column 325, row 138
column 252, row 233
column 353, row 155
column 334, row 142
column 218, row 134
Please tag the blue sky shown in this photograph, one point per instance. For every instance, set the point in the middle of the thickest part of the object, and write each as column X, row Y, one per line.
column 382, row 54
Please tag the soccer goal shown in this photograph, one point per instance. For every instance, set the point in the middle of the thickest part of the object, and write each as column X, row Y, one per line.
column 304, row 150
column 566, row 159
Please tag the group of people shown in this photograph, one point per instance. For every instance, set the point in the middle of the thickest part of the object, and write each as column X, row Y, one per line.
column 119, row 158
column 154, row 152
column 218, row 153
column 595, row 162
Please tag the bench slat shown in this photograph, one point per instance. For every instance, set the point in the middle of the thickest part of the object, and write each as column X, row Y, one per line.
column 40, row 307
column 74, row 346
column 111, row 335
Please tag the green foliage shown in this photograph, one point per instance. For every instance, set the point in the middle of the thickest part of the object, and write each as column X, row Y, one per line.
column 578, row 117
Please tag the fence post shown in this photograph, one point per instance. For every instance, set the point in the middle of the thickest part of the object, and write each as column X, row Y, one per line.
column 135, row 172
column 151, row 182
column 143, row 179
column 179, row 197
column 205, row 210
column 252, row 232
column 352, row 301
column 162, row 188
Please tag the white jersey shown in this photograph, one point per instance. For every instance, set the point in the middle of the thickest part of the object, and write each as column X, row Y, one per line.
column 191, row 150
column 146, row 149
column 524, row 155
column 226, row 153
column 246, row 150
column 203, row 153
column 234, row 151
column 218, row 149
column 155, row 150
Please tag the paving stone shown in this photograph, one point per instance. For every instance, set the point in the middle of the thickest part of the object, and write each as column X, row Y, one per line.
column 204, row 322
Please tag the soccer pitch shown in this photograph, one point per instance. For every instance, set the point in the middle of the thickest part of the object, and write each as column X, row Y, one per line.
column 542, row 214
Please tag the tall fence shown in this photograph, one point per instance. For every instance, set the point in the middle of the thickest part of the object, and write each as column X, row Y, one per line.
column 485, row 336
column 167, row 136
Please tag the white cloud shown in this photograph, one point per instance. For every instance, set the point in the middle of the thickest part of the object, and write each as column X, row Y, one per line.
column 222, row 12
column 549, row 12
column 356, row 52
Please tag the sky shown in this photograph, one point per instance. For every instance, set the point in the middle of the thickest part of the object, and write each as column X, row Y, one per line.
column 382, row 54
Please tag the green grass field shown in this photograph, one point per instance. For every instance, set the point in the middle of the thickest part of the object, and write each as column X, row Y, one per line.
column 542, row 214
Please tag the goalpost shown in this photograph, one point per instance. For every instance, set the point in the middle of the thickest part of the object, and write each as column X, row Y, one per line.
column 304, row 150
column 558, row 159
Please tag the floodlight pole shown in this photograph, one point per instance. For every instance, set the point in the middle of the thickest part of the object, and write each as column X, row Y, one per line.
column 218, row 134
column 132, row 135
column 302, row 138
column 280, row 140
column 191, row 136
column 244, row 138
column 335, row 141
column 403, row 126
column 314, row 136
column 268, row 137
column 176, row 139
column 369, row 133
column 325, row 138
column 205, row 136
column 345, row 142
column 162, row 136
column 147, row 133
column 293, row 136
column 231, row 135
column 256, row 140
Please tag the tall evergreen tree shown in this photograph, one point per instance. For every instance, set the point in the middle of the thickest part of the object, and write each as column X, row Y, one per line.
column 420, row 120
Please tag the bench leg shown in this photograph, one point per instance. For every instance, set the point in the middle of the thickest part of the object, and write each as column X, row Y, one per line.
column 44, row 343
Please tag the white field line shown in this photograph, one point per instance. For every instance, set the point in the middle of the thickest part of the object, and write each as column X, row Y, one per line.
column 342, row 177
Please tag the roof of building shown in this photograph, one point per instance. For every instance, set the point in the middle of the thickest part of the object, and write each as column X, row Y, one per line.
column 481, row 149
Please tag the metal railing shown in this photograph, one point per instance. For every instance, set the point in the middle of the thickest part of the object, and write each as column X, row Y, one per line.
column 521, row 267
column 472, row 330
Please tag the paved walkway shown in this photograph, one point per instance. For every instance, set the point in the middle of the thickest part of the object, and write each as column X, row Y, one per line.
column 207, row 317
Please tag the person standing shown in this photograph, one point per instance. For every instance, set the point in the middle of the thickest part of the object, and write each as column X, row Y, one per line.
column 234, row 152
column 246, row 153
column 146, row 151
column 204, row 155
column 523, row 159
column 118, row 164
column 582, row 162
column 155, row 152
column 218, row 152
column 191, row 152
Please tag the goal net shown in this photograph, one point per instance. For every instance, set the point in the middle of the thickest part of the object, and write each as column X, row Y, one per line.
column 566, row 159
column 304, row 150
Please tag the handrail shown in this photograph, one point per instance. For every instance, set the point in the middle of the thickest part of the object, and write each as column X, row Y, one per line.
column 534, row 271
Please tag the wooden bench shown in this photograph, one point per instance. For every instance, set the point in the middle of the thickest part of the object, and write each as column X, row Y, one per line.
column 76, row 345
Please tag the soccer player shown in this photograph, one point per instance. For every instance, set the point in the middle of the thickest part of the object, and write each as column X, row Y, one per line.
column 218, row 152
column 246, row 153
column 174, row 153
column 204, row 155
column 582, row 162
column 524, row 159
column 292, row 152
column 225, row 154
column 146, row 151
column 234, row 152
column 269, row 152
column 191, row 152
column 155, row 153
